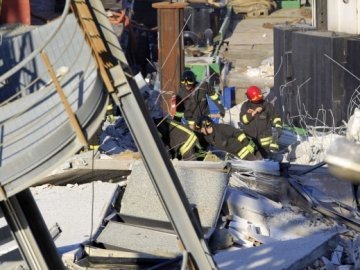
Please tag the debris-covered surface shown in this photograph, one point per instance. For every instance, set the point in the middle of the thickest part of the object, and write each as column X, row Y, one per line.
column 252, row 229
column 87, row 207
column 268, row 211
column 73, row 214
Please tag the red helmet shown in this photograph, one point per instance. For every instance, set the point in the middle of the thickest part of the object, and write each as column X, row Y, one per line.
column 253, row 93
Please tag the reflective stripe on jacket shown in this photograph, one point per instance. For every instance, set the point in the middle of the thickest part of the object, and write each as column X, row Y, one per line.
column 230, row 139
column 189, row 141
column 194, row 104
column 259, row 126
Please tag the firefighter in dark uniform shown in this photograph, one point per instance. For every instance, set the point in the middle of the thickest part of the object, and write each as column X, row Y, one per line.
column 227, row 138
column 191, row 101
column 179, row 140
column 258, row 117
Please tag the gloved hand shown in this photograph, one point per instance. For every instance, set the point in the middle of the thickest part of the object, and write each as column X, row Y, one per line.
column 279, row 131
column 274, row 148
column 222, row 112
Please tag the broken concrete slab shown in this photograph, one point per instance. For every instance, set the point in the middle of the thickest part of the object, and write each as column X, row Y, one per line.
column 86, row 204
column 327, row 205
column 204, row 189
column 206, row 165
column 101, row 252
column 273, row 219
column 122, row 236
column 277, row 255
column 89, row 166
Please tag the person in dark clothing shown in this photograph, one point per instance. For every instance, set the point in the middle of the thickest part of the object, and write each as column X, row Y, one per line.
column 191, row 101
column 227, row 138
column 179, row 140
column 258, row 117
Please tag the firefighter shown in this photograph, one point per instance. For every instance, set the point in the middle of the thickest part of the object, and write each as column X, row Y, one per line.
column 227, row 138
column 258, row 117
column 179, row 140
column 191, row 101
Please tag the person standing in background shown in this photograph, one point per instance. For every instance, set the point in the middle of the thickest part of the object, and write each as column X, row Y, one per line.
column 191, row 101
column 258, row 116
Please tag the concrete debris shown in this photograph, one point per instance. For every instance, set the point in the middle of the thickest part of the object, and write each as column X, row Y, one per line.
column 91, row 166
column 328, row 206
column 265, row 70
column 276, row 255
column 204, row 189
column 62, row 205
column 206, row 165
column 309, row 151
column 249, row 233
column 240, row 239
column 270, row 218
column 242, row 199
column 353, row 126
column 255, row 230
column 121, row 236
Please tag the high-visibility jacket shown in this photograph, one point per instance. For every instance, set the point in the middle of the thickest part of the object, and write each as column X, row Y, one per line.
column 259, row 126
column 193, row 104
column 232, row 140
column 179, row 140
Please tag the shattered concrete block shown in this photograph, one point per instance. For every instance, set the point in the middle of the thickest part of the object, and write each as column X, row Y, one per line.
column 239, row 238
column 252, row 206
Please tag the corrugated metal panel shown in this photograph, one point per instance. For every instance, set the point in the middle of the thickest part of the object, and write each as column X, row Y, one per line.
column 36, row 134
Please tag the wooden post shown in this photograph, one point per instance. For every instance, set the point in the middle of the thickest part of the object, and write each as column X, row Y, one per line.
column 73, row 120
column 170, row 17
column 103, row 59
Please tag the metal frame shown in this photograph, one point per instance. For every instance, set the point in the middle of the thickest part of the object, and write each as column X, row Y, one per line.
column 161, row 171
column 30, row 232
